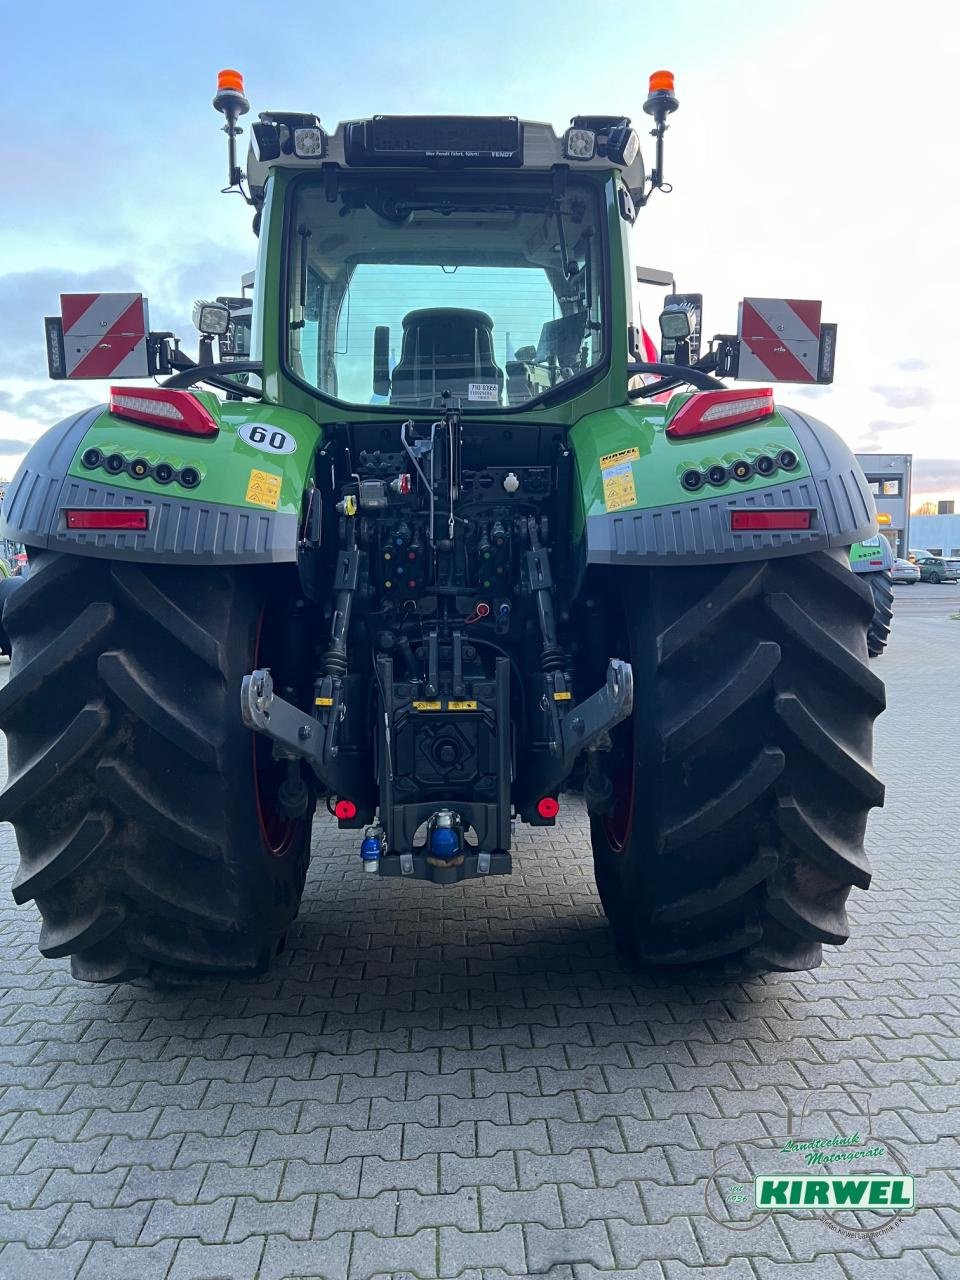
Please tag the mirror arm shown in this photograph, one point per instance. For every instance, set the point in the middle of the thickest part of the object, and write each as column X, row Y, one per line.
column 672, row 375
column 215, row 375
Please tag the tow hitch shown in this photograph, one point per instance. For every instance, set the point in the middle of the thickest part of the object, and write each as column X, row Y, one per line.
column 448, row 854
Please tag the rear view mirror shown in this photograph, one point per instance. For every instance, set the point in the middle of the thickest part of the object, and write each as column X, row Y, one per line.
column 381, row 360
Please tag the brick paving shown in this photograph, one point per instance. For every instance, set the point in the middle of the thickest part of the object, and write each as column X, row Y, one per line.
column 466, row 1082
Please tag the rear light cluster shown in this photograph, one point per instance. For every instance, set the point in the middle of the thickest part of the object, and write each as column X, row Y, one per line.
column 116, row 464
column 743, row 469
column 109, row 518
column 708, row 411
column 159, row 407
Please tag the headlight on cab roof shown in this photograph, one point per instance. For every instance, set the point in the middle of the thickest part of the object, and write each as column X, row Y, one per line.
column 579, row 144
column 308, row 143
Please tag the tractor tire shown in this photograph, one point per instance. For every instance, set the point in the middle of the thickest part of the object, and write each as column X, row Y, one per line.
column 743, row 780
column 145, row 812
column 878, row 633
column 7, row 588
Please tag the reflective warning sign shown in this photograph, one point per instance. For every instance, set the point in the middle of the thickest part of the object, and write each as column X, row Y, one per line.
column 619, row 487
column 263, row 488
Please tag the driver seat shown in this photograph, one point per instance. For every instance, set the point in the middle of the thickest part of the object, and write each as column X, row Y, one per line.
column 445, row 349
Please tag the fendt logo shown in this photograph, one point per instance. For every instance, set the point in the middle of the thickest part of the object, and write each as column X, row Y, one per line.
column 872, row 1191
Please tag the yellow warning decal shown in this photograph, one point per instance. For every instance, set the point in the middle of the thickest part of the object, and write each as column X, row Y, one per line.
column 562, row 695
column 461, row 706
column 622, row 455
column 263, row 488
column 323, row 702
column 427, row 706
column 619, row 487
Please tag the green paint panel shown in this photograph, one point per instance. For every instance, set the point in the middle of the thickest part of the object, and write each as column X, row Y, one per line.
column 225, row 461
column 662, row 461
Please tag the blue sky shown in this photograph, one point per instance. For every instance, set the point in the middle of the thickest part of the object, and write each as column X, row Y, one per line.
column 790, row 157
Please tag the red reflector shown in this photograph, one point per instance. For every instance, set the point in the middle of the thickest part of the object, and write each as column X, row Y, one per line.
column 707, row 411
column 345, row 810
column 158, row 407
column 115, row 518
column 548, row 807
column 744, row 520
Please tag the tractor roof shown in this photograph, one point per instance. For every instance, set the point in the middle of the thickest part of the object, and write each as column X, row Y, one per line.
column 295, row 140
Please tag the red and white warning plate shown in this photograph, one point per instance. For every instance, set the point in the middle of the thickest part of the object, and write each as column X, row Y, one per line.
column 104, row 335
column 779, row 340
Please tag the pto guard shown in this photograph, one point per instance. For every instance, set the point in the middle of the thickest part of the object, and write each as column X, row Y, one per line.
column 697, row 531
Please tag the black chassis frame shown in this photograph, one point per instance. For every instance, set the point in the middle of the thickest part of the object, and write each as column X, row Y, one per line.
column 338, row 747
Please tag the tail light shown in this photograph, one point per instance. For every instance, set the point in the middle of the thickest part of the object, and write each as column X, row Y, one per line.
column 160, row 407
column 708, row 411
column 345, row 810
column 548, row 807
column 744, row 521
column 114, row 518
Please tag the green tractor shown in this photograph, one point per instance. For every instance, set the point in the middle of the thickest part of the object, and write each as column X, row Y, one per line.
column 451, row 533
column 874, row 559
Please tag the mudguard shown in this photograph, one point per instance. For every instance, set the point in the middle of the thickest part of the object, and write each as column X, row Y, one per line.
column 635, row 509
column 245, row 508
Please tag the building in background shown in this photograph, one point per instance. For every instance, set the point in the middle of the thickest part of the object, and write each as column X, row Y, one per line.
column 937, row 534
column 888, row 475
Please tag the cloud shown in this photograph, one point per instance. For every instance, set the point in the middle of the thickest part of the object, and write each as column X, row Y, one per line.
column 14, row 446
column 906, row 397
column 50, row 403
column 936, row 475
column 912, row 364
column 881, row 425
column 809, row 393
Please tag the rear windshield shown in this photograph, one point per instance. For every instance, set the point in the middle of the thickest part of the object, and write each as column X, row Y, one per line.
column 427, row 291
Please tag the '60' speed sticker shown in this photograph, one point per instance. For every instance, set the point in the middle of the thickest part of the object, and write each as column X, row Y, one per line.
column 266, row 438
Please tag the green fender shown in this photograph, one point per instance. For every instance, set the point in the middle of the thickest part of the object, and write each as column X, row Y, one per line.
column 632, row 505
column 246, row 506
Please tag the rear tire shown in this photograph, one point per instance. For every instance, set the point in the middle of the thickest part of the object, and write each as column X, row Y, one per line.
column 743, row 780
column 878, row 633
column 7, row 588
column 135, row 791
column 935, row 579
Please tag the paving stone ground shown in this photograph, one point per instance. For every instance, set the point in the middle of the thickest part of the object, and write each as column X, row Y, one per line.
column 466, row 1082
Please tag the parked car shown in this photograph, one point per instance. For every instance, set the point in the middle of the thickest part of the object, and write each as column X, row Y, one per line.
column 952, row 562
column 916, row 554
column 935, row 569
column 904, row 571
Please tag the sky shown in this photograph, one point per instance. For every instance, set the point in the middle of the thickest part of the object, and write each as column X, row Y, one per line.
column 813, row 156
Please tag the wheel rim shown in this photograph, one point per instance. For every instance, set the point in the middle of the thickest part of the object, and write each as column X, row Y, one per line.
column 277, row 830
column 618, row 822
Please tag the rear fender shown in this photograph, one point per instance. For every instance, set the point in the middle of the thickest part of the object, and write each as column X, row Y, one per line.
column 246, row 508
column 633, row 509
